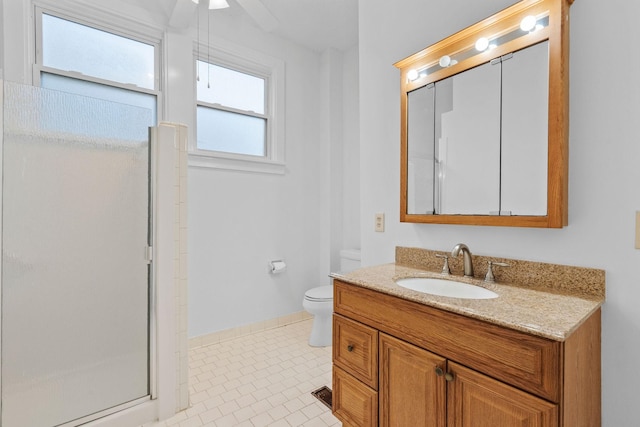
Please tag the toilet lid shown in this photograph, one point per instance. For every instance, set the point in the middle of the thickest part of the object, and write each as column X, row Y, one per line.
column 321, row 293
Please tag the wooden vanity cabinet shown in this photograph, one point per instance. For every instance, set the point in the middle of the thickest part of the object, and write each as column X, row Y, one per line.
column 430, row 367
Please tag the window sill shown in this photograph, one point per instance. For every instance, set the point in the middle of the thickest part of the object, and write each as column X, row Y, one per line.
column 257, row 165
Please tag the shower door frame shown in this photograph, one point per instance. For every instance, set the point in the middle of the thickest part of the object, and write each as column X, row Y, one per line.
column 160, row 403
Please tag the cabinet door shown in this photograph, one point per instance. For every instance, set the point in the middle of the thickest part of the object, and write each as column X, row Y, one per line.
column 475, row 400
column 525, row 131
column 411, row 394
column 467, row 142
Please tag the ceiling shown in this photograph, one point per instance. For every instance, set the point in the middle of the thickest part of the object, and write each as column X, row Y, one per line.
column 315, row 24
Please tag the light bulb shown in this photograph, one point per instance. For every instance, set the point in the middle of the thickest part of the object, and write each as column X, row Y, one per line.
column 528, row 23
column 218, row 4
column 412, row 75
column 445, row 61
column 482, row 44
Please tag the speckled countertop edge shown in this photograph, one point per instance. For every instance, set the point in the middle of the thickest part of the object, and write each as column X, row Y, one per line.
column 550, row 315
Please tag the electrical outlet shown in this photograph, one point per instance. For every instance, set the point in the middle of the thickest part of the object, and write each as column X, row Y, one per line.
column 379, row 222
column 637, row 229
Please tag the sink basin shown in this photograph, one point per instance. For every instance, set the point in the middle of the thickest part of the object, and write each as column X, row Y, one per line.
column 446, row 288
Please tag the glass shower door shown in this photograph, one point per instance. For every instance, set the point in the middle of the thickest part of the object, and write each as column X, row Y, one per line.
column 75, row 279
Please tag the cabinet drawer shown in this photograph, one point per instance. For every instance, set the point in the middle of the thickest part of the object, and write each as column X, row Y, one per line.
column 355, row 349
column 528, row 362
column 354, row 403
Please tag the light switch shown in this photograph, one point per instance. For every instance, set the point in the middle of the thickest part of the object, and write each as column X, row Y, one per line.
column 379, row 222
column 637, row 229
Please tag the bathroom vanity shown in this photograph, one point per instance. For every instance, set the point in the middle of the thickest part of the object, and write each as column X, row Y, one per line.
column 529, row 357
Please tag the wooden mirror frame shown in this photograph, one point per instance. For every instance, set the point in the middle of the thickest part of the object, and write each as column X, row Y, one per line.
column 557, row 33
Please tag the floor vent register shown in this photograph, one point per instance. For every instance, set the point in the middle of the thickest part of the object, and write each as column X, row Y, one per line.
column 323, row 394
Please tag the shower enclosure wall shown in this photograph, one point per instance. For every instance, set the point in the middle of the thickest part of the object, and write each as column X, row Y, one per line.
column 83, row 193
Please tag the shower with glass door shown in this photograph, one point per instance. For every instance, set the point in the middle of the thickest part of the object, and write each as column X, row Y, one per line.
column 75, row 278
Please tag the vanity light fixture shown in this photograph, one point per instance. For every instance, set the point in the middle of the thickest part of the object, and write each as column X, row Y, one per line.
column 482, row 44
column 412, row 75
column 528, row 23
column 445, row 61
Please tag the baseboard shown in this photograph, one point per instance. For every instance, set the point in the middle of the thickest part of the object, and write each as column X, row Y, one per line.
column 228, row 334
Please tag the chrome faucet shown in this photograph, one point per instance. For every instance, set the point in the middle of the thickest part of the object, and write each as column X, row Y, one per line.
column 466, row 254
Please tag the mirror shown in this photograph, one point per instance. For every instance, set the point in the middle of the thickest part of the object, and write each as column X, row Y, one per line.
column 484, row 131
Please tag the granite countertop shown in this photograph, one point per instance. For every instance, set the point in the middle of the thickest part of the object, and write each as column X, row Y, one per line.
column 538, row 311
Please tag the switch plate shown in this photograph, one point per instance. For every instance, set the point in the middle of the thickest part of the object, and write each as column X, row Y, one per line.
column 637, row 229
column 379, row 222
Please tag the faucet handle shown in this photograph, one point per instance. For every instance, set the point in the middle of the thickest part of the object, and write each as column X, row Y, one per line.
column 489, row 277
column 445, row 268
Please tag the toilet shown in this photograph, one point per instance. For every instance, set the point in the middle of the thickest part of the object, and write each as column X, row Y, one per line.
column 318, row 301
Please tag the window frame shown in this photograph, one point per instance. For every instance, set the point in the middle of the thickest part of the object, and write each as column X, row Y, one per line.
column 260, row 65
column 102, row 21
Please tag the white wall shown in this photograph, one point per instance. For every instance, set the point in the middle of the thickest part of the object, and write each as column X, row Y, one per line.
column 239, row 221
column 2, row 44
column 351, row 150
column 604, row 153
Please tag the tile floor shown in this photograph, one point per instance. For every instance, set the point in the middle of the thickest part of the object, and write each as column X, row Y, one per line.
column 262, row 379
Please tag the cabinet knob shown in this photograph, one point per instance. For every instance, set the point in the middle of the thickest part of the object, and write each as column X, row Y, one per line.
column 350, row 348
column 448, row 376
column 439, row 371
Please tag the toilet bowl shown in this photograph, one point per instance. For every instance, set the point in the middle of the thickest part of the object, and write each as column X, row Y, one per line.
column 319, row 302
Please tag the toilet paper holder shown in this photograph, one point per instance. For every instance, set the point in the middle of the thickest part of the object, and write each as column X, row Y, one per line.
column 277, row 266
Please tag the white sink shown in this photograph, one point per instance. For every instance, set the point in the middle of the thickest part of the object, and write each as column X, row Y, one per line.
column 446, row 288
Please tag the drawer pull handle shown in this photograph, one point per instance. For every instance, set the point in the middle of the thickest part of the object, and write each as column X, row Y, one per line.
column 439, row 371
column 448, row 376
column 350, row 348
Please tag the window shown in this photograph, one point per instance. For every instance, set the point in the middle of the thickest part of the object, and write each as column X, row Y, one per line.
column 85, row 60
column 238, row 111
column 231, row 111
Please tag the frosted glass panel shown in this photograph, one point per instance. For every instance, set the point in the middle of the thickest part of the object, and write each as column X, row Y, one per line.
column 70, row 46
column 100, row 91
column 230, row 132
column 74, row 277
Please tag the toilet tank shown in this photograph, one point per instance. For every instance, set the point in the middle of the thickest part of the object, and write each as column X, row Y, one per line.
column 349, row 260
